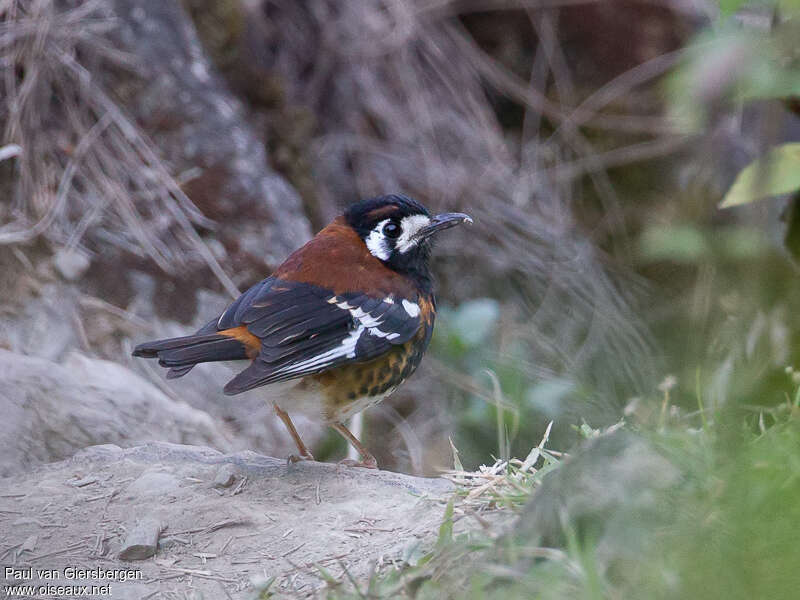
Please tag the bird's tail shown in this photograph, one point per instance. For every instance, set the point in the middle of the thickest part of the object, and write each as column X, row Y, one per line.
column 182, row 353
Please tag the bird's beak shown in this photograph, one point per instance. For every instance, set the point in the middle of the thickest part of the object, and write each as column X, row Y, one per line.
column 442, row 222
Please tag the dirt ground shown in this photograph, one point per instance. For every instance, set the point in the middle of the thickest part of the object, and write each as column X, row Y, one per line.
column 227, row 523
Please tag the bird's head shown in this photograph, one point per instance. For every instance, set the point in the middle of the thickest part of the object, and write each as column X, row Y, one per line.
column 398, row 230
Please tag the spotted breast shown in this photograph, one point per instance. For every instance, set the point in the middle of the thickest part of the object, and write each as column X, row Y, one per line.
column 351, row 389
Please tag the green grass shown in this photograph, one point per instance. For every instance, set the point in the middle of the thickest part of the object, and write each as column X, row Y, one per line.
column 685, row 507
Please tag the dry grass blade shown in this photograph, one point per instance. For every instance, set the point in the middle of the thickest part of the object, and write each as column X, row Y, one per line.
column 536, row 452
column 87, row 172
column 509, row 482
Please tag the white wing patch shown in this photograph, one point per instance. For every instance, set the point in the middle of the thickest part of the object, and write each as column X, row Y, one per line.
column 366, row 322
column 346, row 349
column 373, row 323
column 412, row 308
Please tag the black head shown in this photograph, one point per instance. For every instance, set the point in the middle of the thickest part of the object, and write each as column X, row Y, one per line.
column 398, row 230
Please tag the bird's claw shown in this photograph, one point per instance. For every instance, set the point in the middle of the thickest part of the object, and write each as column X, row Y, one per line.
column 294, row 458
column 367, row 463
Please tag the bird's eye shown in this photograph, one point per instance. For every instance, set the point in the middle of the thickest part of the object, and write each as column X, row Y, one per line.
column 392, row 230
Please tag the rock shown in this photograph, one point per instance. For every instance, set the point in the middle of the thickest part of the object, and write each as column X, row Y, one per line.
column 287, row 519
column 50, row 410
column 225, row 476
column 152, row 483
column 44, row 324
column 180, row 100
column 29, row 545
column 58, row 313
column 141, row 541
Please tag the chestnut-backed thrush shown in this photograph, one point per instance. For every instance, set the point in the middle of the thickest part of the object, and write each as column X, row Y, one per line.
column 342, row 322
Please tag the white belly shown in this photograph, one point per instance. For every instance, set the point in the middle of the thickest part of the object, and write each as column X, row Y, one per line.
column 298, row 396
column 306, row 397
column 356, row 406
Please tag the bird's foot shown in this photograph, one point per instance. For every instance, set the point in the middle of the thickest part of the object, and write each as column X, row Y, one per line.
column 367, row 462
column 294, row 458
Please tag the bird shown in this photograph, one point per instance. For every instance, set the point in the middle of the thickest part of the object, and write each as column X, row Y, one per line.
column 337, row 327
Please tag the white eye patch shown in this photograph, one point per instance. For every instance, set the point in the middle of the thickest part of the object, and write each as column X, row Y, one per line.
column 410, row 225
column 380, row 247
column 376, row 242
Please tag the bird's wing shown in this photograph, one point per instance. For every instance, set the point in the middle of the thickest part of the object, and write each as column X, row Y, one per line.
column 306, row 329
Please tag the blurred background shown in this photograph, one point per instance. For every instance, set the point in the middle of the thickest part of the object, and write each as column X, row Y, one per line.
column 156, row 157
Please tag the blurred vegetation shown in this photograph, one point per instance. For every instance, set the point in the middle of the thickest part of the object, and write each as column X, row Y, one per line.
column 685, row 505
column 498, row 386
column 718, row 433
column 715, row 273
column 729, row 277
column 722, row 284
column 725, row 530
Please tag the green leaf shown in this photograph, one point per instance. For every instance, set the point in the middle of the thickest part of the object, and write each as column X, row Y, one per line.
column 728, row 7
column 679, row 243
column 457, row 466
column 730, row 64
column 772, row 175
column 791, row 239
column 549, row 396
column 412, row 553
column 789, row 7
column 474, row 320
column 446, row 528
column 326, row 576
column 741, row 243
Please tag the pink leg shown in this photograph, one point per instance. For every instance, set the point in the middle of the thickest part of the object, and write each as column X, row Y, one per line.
column 305, row 454
column 367, row 460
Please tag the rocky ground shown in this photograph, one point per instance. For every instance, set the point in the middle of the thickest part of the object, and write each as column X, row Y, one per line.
column 193, row 522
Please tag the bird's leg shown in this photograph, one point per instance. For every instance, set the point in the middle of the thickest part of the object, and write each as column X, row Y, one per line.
column 367, row 460
column 305, row 454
